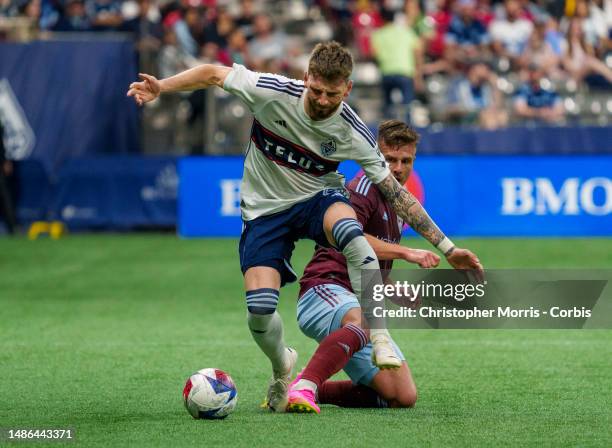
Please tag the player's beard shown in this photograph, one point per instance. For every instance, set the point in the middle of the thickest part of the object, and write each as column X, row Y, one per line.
column 399, row 178
column 321, row 113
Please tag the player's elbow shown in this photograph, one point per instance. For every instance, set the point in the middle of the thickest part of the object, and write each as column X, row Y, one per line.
column 213, row 75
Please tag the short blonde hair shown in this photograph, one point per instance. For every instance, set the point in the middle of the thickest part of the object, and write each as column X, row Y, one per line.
column 331, row 62
column 396, row 133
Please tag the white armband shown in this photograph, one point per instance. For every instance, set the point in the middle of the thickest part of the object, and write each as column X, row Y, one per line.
column 445, row 246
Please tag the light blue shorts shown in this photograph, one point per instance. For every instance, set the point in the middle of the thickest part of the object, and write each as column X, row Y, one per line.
column 320, row 311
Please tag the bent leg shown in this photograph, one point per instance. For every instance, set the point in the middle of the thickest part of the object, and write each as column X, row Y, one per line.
column 389, row 388
column 340, row 343
column 370, row 387
column 344, row 393
column 396, row 387
column 348, row 395
column 344, row 232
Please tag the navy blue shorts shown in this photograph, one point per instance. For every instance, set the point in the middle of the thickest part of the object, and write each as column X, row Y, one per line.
column 270, row 240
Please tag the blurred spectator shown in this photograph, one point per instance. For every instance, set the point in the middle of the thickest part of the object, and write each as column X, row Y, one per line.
column 421, row 25
column 216, row 34
column 537, row 104
column 74, row 18
column 554, row 8
column 268, row 48
column 237, row 47
column 440, row 19
column 510, row 33
column 6, row 200
column 32, row 10
column 218, row 30
column 579, row 59
column 19, row 19
column 365, row 20
column 533, row 10
column 10, row 8
column 475, row 99
column 484, row 12
column 397, row 50
column 246, row 18
column 50, row 11
column 148, row 34
column 146, row 26
column 188, row 29
column 172, row 59
column 104, row 14
column 552, row 34
column 452, row 35
column 466, row 38
column 338, row 10
column 538, row 51
column 594, row 24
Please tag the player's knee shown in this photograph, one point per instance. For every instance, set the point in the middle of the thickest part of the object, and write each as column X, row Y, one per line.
column 353, row 317
column 262, row 301
column 404, row 396
column 346, row 230
column 404, row 399
column 397, row 393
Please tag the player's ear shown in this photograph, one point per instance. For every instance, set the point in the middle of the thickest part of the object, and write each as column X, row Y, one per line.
column 305, row 77
column 349, row 86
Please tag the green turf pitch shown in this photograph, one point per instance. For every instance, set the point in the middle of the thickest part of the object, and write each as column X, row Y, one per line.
column 99, row 333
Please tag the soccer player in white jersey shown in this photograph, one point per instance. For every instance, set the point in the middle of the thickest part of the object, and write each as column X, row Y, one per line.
column 291, row 190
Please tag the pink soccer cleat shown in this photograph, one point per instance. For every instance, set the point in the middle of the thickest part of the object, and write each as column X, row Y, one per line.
column 302, row 401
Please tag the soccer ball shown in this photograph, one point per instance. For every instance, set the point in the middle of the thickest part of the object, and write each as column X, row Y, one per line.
column 210, row 394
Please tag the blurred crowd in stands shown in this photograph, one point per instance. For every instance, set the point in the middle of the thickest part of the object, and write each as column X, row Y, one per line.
column 474, row 62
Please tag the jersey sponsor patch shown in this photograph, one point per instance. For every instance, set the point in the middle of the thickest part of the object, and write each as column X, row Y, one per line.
column 283, row 152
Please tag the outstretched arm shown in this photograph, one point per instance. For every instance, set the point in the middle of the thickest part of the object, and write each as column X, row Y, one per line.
column 412, row 212
column 199, row 77
column 391, row 251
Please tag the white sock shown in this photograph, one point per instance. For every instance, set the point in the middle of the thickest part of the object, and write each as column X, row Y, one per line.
column 267, row 330
column 359, row 255
column 379, row 331
column 306, row 384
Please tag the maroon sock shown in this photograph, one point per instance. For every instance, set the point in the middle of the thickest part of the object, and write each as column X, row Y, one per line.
column 334, row 352
column 348, row 395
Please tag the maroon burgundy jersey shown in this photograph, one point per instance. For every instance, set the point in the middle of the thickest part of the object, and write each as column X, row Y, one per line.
column 377, row 218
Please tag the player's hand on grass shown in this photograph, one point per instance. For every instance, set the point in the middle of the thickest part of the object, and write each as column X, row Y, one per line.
column 146, row 90
column 465, row 260
column 424, row 258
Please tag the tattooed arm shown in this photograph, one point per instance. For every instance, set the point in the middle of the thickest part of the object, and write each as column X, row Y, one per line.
column 412, row 212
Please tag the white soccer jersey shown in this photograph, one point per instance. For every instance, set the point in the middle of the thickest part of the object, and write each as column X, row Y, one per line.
column 290, row 157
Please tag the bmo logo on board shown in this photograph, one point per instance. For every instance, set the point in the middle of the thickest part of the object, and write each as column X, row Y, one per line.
column 539, row 196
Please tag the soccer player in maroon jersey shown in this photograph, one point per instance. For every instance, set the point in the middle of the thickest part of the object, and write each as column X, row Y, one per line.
column 329, row 311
